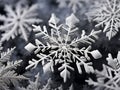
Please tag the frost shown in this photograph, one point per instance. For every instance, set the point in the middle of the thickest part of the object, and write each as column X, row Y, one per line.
column 108, row 78
column 7, row 73
column 63, row 47
column 17, row 20
column 107, row 14
column 5, row 56
column 33, row 85
column 36, row 85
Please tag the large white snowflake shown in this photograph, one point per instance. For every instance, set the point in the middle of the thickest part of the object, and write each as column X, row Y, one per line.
column 64, row 47
column 17, row 20
column 74, row 4
column 107, row 14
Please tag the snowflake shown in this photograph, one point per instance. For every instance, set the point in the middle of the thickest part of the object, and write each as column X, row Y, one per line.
column 107, row 15
column 62, row 44
column 74, row 4
column 109, row 77
column 18, row 20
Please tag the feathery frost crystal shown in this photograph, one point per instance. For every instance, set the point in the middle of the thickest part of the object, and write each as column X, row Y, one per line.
column 7, row 73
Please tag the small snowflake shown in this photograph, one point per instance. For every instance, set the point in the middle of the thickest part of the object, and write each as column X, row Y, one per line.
column 63, row 45
column 18, row 20
column 109, row 77
column 107, row 14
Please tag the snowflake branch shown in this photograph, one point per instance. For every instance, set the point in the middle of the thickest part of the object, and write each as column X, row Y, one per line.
column 86, row 39
column 35, row 63
column 36, row 28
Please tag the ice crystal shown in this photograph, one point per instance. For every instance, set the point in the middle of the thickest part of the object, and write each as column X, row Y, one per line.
column 33, row 85
column 36, row 85
column 107, row 14
column 74, row 4
column 108, row 78
column 1, row 47
column 114, row 62
column 62, row 44
column 5, row 56
column 17, row 20
column 7, row 73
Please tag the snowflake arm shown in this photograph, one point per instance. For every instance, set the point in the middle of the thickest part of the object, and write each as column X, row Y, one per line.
column 43, row 32
column 42, row 58
column 86, row 39
column 114, row 62
column 65, row 72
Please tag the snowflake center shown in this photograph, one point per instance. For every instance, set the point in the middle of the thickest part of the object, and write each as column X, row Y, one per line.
column 18, row 19
column 113, row 14
column 64, row 47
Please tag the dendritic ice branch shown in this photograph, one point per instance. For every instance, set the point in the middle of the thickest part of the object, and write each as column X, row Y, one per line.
column 17, row 20
column 107, row 14
column 36, row 85
column 33, row 85
column 109, row 77
column 63, row 46
column 7, row 74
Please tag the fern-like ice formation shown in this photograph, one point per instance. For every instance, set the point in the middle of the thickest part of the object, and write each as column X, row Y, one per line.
column 75, row 5
column 7, row 73
column 107, row 14
column 36, row 85
column 33, row 85
column 63, row 46
column 109, row 77
column 18, row 20
column 5, row 56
